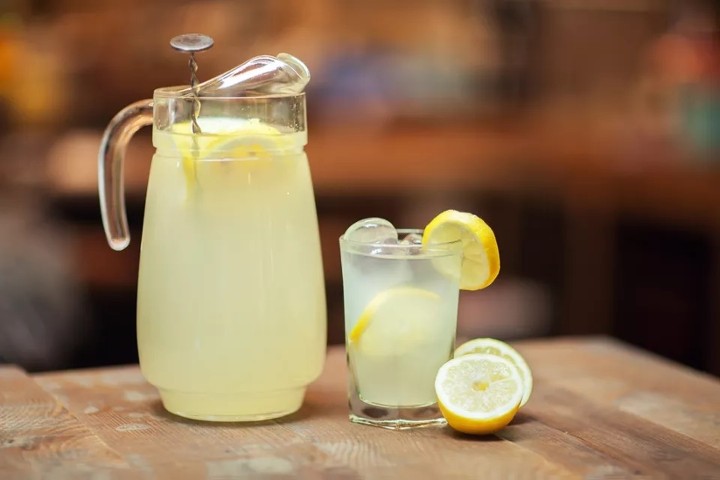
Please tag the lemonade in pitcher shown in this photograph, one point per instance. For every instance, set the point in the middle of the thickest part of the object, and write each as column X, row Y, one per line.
column 231, row 306
column 214, row 311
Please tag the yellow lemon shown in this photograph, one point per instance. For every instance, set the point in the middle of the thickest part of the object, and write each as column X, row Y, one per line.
column 250, row 140
column 481, row 256
column 478, row 393
column 396, row 321
column 501, row 349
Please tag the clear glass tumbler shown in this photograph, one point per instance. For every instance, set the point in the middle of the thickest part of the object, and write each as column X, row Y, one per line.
column 400, row 321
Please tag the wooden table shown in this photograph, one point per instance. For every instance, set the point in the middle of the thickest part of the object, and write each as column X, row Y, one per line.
column 600, row 409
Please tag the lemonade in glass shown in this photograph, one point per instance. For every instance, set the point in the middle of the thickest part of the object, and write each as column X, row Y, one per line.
column 401, row 303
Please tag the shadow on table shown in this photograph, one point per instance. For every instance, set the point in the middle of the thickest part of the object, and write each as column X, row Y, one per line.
column 519, row 419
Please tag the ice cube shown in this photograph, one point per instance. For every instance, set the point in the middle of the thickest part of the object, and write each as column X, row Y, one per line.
column 384, row 247
column 415, row 242
column 412, row 239
column 372, row 262
column 371, row 230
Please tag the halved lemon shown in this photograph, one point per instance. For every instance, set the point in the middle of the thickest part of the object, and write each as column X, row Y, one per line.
column 501, row 349
column 479, row 393
column 481, row 256
column 396, row 321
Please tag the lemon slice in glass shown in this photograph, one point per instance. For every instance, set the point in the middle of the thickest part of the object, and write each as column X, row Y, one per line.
column 478, row 393
column 396, row 321
column 481, row 256
column 501, row 349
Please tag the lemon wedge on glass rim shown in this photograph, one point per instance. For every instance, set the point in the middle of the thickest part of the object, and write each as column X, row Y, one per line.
column 481, row 256
column 478, row 393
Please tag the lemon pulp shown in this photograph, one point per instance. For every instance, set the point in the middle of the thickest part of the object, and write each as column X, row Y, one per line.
column 499, row 348
column 479, row 393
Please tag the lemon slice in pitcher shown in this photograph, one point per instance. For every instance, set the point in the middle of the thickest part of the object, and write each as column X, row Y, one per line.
column 481, row 256
column 250, row 140
column 241, row 139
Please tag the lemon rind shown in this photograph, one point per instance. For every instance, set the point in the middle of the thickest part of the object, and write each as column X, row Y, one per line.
column 472, row 230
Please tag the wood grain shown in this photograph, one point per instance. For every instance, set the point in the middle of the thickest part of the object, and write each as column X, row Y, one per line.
column 607, row 372
column 39, row 438
column 600, row 409
column 125, row 412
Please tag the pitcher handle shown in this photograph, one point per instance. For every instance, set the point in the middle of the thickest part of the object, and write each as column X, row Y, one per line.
column 110, row 169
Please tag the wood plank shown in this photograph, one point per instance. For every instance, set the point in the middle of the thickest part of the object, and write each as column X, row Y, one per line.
column 600, row 409
column 573, row 417
column 562, row 447
column 39, row 438
column 126, row 412
column 318, row 441
column 423, row 453
column 607, row 372
column 639, row 446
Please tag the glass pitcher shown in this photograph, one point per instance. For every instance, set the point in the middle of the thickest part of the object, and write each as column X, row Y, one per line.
column 231, row 317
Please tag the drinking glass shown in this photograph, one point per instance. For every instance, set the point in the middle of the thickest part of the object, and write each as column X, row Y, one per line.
column 401, row 304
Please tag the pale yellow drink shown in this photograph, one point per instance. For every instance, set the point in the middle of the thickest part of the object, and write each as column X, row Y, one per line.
column 231, row 308
column 401, row 305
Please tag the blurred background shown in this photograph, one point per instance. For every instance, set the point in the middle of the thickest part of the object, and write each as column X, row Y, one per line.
column 586, row 132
